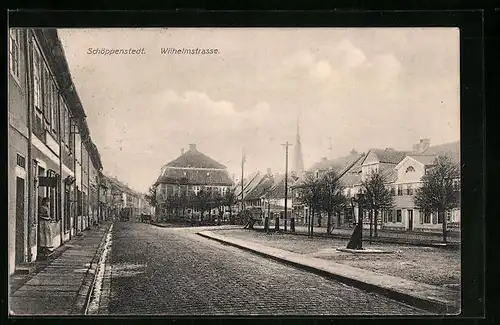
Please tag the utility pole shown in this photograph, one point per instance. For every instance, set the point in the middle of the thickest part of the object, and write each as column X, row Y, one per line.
column 242, row 165
column 286, row 145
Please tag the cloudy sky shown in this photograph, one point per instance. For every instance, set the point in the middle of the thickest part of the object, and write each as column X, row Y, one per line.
column 362, row 88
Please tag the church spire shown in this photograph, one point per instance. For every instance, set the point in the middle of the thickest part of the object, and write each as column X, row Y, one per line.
column 297, row 163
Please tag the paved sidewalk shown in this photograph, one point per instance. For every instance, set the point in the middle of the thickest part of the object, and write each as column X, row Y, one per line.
column 62, row 286
column 406, row 237
column 429, row 297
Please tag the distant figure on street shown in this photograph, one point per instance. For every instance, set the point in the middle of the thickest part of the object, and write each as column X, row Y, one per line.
column 45, row 227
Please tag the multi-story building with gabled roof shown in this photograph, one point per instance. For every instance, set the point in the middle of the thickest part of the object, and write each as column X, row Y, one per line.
column 190, row 173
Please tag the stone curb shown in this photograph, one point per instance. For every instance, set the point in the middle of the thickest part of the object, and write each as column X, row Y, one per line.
column 429, row 305
column 385, row 240
column 85, row 289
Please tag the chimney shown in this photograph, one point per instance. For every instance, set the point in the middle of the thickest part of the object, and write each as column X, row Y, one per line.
column 192, row 147
column 182, row 151
column 268, row 172
column 424, row 144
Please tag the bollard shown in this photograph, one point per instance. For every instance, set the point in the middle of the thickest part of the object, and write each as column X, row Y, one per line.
column 292, row 224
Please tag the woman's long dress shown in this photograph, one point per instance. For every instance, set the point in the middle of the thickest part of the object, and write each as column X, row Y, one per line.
column 45, row 228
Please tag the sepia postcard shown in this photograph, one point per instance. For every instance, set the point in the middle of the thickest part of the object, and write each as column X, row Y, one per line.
column 234, row 171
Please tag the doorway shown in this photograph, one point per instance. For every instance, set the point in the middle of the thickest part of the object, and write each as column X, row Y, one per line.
column 410, row 220
column 19, row 220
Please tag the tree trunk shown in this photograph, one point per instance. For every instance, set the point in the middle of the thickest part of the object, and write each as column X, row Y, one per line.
column 370, row 213
column 443, row 217
column 338, row 219
column 328, row 222
column 311, row 211
column 376, row 222
column 312, row 223
column 231, row 221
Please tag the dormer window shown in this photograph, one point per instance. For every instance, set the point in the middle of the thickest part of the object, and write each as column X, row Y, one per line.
column 410, row 169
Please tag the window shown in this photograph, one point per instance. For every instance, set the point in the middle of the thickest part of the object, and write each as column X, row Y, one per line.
column 393, row 190
column 400, row 189
column 448, row 215
column 15, row 52
column 456, row 185
column 410, row 169
column 65, row 131
column 37, row 78
column 440, row 218
column 46, row 93
column 434, row 218
column 385, row 215
column 55, row 109
column 398, row 216
column 409, row 189
column 52, row 195
column 21, row 161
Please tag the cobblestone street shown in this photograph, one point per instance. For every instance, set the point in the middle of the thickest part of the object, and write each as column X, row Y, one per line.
column 173, row 271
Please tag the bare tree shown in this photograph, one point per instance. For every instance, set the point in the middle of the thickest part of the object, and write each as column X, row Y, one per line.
column 437, row 192
column 150, row 197
column 218, row 201
column 229, row 200
column 310, row 194
column 378, row 197
column 332, row 197
column 202, row 201
column 183, row 202
column 192, row 202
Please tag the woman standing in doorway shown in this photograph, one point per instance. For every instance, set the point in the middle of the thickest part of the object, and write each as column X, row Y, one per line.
column 44, row 227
